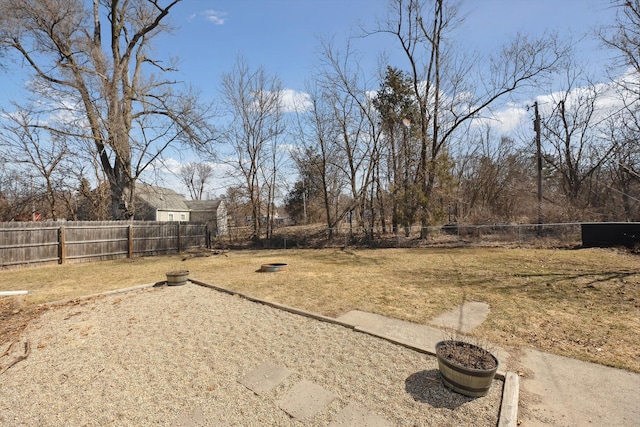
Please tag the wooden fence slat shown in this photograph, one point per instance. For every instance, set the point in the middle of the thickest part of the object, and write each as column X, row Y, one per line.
column 40, row 243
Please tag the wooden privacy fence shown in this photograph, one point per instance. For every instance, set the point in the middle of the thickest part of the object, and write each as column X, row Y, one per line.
column 60, row 242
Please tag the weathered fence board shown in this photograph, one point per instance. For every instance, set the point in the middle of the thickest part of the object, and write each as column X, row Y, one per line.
column 52, row 242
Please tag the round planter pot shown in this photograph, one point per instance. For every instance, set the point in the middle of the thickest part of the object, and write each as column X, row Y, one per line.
column 462, row 377
column 177, row 278
column 272, row 268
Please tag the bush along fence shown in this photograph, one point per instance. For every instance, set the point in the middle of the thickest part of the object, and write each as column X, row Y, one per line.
column 564, row 235
column 542, row 235
column 23, row 243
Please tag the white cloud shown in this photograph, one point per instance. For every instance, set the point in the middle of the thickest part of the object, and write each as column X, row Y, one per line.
column 609, row 101
column 293, row 101
column 609, row 98
column 217, row 17
column 504, row 120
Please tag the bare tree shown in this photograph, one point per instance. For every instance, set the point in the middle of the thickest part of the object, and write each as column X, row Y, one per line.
column 238, row 207
column 305, row 202
column 621, row 177
column 317, row 156
column 345, row 89
column 445, row 82
column 42, row 155
column 17, row 198
column 252, row 100
column 494, row 183
column 624, row 38
column 270, row 178
column 575, row 149
column 100, row 83
column 92, row 203
column 196, row 176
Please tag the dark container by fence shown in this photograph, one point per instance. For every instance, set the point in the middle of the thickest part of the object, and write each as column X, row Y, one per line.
column 610, row 234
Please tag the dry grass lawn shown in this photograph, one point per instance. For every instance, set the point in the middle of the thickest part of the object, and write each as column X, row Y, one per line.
column 578, row 303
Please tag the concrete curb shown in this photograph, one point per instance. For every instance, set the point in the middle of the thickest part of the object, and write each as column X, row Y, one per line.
column 508, row 415
column 275, row 305
column 509, row 406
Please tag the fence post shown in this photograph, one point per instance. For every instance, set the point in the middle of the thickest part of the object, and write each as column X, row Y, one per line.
column 179, row 242
column 130, row 241
column 62, row 247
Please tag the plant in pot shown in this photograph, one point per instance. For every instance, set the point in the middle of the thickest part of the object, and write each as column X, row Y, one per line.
column 466, row 368
column 177, row 277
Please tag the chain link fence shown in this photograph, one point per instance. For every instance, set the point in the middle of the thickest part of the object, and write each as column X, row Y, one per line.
column 566, row 235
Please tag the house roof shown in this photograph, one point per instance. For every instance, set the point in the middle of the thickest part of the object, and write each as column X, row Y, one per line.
column 160, row 198
column 203, row 205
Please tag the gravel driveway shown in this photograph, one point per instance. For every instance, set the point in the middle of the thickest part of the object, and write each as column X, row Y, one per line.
column 172, row 356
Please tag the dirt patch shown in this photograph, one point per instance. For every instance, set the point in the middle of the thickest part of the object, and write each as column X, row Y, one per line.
column 15, row 316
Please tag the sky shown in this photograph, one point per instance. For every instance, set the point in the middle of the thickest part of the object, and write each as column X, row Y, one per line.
column 283, row 36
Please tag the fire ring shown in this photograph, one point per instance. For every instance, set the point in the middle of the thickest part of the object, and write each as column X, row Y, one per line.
column 272, row 268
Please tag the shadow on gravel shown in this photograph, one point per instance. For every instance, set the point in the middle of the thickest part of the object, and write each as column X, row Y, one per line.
column 427, row 387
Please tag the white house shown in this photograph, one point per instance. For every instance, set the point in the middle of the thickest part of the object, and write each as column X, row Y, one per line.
column 160, row 204
column 163, row 204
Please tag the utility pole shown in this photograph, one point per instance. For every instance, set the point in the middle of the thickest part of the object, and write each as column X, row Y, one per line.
column 536, row 128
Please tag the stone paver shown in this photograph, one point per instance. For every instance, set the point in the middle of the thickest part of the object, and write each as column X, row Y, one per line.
column 354, row 416
column 265, row 377
column 464, row 318
column 194, row 419
column 305, row 399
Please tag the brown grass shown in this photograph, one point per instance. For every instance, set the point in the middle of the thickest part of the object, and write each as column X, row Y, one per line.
column 578, row 303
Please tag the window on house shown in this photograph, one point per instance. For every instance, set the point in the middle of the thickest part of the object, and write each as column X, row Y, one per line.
column 183, row 217
column 170, row 217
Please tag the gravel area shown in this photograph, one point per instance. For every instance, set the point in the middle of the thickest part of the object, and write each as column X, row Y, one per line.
column 172, row 356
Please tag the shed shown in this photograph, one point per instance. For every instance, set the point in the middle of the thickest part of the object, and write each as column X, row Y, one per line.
column 212, row 212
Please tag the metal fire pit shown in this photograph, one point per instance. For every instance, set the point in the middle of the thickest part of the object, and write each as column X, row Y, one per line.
column 272, row 268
